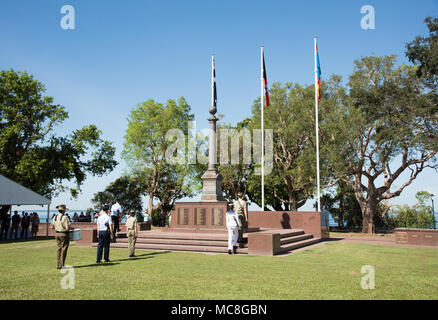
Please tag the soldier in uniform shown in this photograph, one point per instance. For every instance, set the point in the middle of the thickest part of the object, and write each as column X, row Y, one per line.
column 104, row 232
column 233, row 226
column 61, row 223
column 131, row 231
column 240, row 207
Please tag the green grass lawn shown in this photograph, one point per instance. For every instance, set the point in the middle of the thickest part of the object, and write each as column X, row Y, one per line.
column 328, row 271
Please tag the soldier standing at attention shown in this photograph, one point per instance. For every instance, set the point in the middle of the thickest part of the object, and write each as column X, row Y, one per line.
column 240, row 207
column 61, row 223
column 104, row 233
column 233, row 226
column 131, row 231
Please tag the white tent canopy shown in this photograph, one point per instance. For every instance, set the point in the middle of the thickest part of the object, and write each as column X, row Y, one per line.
column 11, row 193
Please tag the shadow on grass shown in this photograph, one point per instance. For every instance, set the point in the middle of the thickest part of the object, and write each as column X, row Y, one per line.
column 103, row 264
column 114, row 262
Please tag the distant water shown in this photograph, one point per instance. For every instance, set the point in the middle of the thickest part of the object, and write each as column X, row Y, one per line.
column 42, row 214
column 333, row 223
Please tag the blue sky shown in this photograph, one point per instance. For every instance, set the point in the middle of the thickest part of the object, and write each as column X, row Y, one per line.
column 124, row 52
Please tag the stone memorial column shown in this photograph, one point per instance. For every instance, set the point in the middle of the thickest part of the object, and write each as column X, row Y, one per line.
column 212, row 179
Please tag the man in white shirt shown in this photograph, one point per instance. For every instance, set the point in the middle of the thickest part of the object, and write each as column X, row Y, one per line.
column 116, row 212
column 104, row 230
column 233, row 226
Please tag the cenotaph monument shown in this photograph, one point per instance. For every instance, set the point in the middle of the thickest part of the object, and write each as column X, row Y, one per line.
column 208, row 214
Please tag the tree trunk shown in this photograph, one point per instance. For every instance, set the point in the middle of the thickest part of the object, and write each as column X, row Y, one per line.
column 368, row 212
column 293, row 203
column 150, row 207
column 341, row 211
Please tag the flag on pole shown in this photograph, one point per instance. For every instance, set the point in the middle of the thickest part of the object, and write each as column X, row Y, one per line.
column 265, row 80
column 317, row 100
column 318, row 73
column 213, row 79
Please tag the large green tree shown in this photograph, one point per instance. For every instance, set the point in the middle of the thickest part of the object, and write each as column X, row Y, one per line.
column 423, row 52
column 383, row 125
column 129, row 190
column 146, row 149
column 291, row 116
column 31, row 154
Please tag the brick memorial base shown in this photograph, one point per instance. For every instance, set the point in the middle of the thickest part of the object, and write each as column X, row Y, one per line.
column 422, row 237
column 201, row 216
column 201, row 226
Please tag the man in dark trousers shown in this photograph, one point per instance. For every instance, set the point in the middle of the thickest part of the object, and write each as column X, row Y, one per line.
column 15, row 222
column 104, row 232
column 5, row 221
column 25, row 223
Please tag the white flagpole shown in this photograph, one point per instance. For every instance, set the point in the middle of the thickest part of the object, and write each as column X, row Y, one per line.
column 263, row 132
column 317, row 132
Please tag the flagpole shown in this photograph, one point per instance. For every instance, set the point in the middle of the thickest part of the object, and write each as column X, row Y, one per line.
column 263, row 131
column 317, row 131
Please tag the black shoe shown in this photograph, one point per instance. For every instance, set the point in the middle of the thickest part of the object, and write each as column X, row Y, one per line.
column 108, row 260
column 229, row 251
column 235, row 250
column 98, row 261
column 131, row 255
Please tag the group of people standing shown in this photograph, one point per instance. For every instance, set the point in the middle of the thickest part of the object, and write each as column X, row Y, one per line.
column 82, row 217
column 24, row 221
column 107, row 225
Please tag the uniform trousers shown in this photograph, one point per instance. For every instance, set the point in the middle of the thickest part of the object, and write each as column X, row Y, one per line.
column 233, row 234
column 104, row 245
column 115, row 220
column 62, row 241
column 131, row 241
column 242, row 221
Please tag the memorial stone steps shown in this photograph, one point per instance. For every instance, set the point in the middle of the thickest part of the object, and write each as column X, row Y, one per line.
column 204, row 242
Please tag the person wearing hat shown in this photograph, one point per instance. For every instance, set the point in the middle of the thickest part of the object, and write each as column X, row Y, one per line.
column 131, row 232
column 233, row 226
column 104, row 231
column 241, row 209
column 61, row 223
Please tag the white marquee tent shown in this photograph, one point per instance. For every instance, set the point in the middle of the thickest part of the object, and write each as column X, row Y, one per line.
column 12, row 193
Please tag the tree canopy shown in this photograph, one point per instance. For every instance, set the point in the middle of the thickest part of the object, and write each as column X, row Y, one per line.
column 31, row 154
column 146, row 147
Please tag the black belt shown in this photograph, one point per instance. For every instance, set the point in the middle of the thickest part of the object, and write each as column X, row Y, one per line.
column 61, row 231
